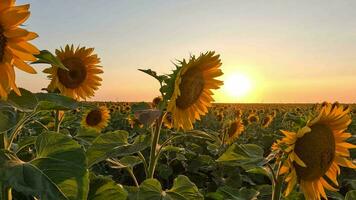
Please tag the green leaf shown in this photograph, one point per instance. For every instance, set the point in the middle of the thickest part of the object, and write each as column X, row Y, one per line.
column 246, row 156
column 58, row 172
column 238, row 194
column 160, row 78
column 260, row 170
column 52, row 101
column 103, row 144
column 27, row 102
column 26, row 141
column 350, row 195
column 150, row 189
column 48, row 58
column 114, row 144
column 130, row 161
column 8, row 117
column 140, row 106
column 103, row 188
column 183, row 189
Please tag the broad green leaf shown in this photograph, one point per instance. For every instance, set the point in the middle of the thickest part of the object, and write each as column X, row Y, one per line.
column 130, row 161
column 238, row 194
column 246, row 155
column 27, row 179
column 114, row 144
column 141, row 143
column 63, row 161
column 103, row 188
column 27, row 102
column 58, row 171
column 48, row 58
column 183, row 189
column 52, row 101
column 334, row 195
column 103, row 144
column 150, row 189
column 26, row 141
column 260, row 170
column 8, row 117
column 350, row 195
column 86, row 135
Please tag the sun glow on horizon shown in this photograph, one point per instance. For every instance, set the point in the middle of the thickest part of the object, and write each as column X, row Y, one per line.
column 237, row 85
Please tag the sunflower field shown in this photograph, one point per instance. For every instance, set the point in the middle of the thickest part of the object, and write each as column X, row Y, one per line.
column 57, row 145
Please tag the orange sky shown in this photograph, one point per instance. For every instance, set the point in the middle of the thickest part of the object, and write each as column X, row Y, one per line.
column 291, row 51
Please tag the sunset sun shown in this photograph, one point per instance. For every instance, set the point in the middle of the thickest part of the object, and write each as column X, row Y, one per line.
column 237, row 85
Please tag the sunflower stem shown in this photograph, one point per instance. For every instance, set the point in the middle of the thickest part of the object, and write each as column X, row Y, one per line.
column 277, row 186
column 154, row 145
column 5, row 192
column 56, row 121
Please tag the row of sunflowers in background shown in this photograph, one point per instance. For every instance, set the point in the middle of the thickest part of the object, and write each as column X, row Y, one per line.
column 179, row 146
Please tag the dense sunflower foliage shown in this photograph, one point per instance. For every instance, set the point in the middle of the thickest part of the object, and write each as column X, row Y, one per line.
column 179, row 146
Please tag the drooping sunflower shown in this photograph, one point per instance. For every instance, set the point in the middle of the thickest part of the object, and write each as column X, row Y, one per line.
column 97, row 118
column 233, row 130
column 15, row 49
column 81, row 79
column 156, row 101
column 192, row 93
column 316, row 151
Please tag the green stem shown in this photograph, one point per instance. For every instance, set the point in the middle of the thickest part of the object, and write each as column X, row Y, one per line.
column 133, row 176
column 3, row 141
column 277, row 187
column 6, row 193
column 56, row 120
column 154, row 144
column 144, row 162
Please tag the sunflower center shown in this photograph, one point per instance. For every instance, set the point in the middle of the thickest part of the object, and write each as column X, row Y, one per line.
column 232, row 129
column 93, row 118
column 75, row 75
column 191, row 87
column 2, row 43
column 317, row 151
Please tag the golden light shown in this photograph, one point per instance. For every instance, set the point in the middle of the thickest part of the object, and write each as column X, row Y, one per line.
column 237, row 85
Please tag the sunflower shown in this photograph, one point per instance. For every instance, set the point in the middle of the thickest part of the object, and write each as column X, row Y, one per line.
column 156, row 101
column 253, row 118
column 15, row 49
column 316, row 151
column 96, row 119
column 233, row 130
column 238, row 113
column 192, row 89
column 267, row 120
column 81, row 79
column 167, row 120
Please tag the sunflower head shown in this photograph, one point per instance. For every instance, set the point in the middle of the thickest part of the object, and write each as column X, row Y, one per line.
column 15, row 50
column 233, row 130
column 238, row 113
column 97, row 118
column 253, row 118
column 192, row 94
column 316, row 151
column 81, row 79
column 156, row 101
column 267, row 120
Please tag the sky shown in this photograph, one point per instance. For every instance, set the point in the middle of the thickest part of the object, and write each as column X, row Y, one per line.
column 289, row 51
